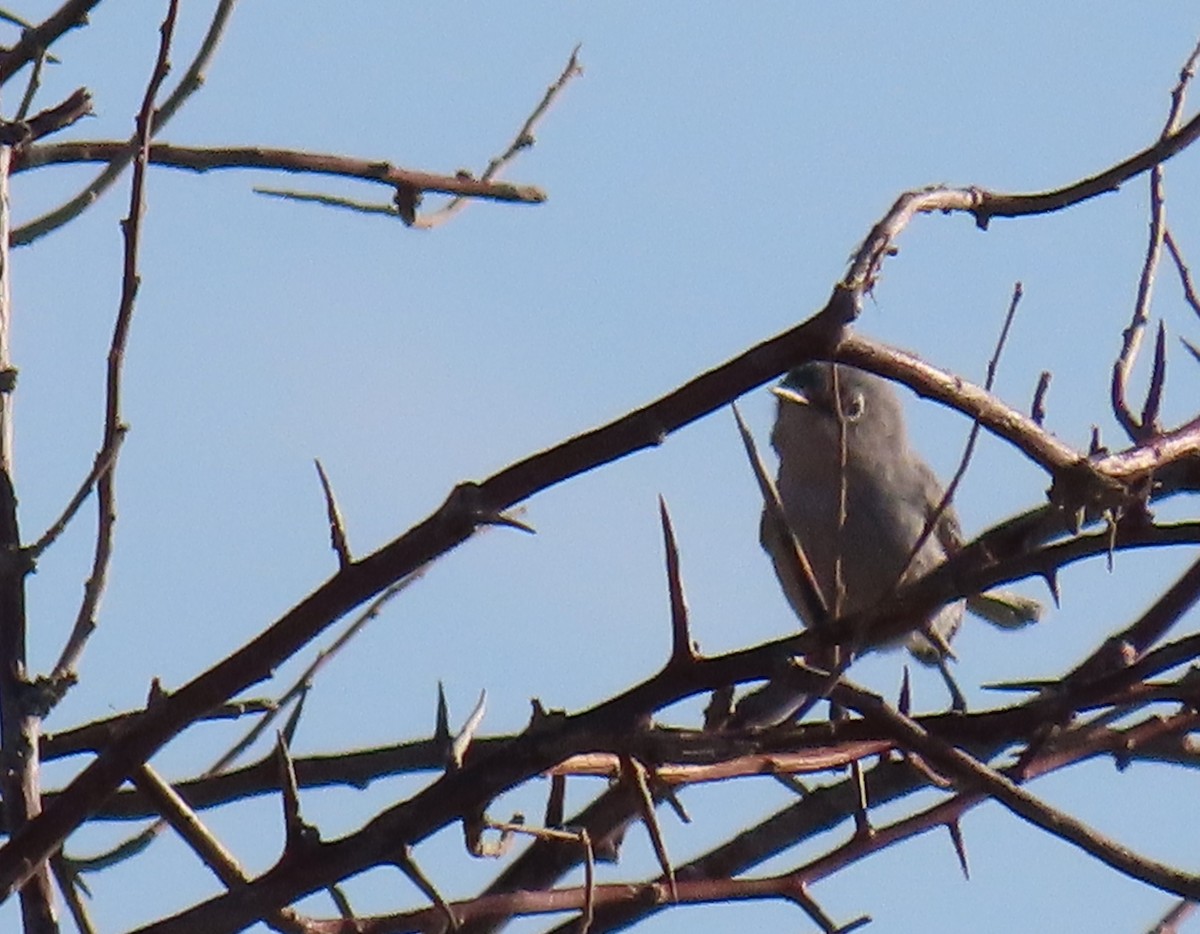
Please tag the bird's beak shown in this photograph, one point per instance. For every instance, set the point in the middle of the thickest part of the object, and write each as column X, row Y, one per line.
column 790, row 395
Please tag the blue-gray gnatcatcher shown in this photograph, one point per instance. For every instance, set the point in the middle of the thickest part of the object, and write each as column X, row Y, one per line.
column 858, row 516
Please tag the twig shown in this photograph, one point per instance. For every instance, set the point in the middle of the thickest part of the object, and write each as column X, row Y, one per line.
column 1037, row 410
column 329, row 201
column 297, row 834
column 1185, row 273
column 799, row 571
column 70, row 885
column 75, row 107
column 100, row 466
column 1121, row 651
column 186, row 822
column 931, row 522
column 36, row 40
column 1170, row 922
column 189, row 83
column 137, row 843
column 522, row 141
column 1134, row 428
column 31, row 87
column 634, row 773
column 405, row 208
column 85, row 620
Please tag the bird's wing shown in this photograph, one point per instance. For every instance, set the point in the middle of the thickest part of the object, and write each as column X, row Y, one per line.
column 1002, row 608
column 947, row 529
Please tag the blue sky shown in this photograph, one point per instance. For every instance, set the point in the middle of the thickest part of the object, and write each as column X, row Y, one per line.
column 708, row 175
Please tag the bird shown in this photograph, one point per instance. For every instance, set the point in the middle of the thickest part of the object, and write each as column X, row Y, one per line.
column 890, row 494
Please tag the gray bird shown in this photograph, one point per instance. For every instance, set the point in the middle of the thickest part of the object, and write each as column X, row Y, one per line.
column 890, row 494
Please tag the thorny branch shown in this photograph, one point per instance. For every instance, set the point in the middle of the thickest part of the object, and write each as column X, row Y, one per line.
column 1080, row 480
column 614, row 736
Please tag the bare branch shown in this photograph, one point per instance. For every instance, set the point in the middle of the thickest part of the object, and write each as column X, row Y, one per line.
column 193, row 78
column 522, row 141
column 114, row 428
column 37, row 40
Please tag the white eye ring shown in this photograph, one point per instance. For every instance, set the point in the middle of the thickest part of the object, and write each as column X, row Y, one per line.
column 855, row 406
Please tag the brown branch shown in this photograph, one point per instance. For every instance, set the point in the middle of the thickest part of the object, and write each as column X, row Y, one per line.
column 20, row 714
column 1138, row 429
column 85, row 620
column 293, row 694
column 77, row 106
column 198, row 159
column 185, row 822
column 973, row 774
column 189, row 83
column 35, row 41
column 100, row 466
column 72, row 887
column 1131, row 337
column 1170, row 922
column 539, row 867
column 1129, row 646
column 1099, row 481
column 522, row 141
column 455, row 521
column 827, row 807
column 983, row 205
column 1185, row 273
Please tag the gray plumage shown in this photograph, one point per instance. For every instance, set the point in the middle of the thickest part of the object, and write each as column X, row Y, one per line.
column 890, row 494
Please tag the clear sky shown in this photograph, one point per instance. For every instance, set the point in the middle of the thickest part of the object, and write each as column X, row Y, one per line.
column 708, row 176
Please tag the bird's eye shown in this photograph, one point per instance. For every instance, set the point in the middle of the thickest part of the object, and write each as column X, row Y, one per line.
column 854, row 407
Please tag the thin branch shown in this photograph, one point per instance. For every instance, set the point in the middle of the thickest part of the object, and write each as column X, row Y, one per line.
column 1170, row 922
column 1134, row 428
column 634, row 773
column 85, row 620
column 71, row 887
column 189, row 83
column 935, row 517
column 190, row 828
column 799, row 570
column 100, row 466
column 984, row 205
column 407, row 213
column 137, row 843
column 35, row 41
column 1185, row 273
column 31, row 87
column 523, row 140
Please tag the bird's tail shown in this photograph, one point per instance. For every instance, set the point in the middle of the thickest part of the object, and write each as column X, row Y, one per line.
column 1005, row 609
